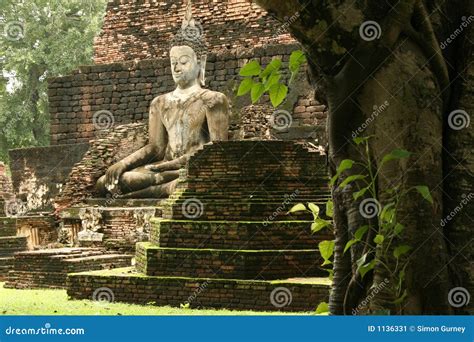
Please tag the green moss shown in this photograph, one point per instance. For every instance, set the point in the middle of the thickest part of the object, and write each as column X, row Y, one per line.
column 56, row 302
column 151, row 246
column 125, row 273
column 158, row 220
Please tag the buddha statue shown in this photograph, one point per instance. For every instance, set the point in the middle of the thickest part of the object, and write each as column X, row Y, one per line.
column 180, row 122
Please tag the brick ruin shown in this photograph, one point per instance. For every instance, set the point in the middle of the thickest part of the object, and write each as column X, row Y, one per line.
column 131, row 68
column 238, row 242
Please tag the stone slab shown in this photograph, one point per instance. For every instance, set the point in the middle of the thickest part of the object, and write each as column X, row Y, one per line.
column 227, row 264
column 125, row 285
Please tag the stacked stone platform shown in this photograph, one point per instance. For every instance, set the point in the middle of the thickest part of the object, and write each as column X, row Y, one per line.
column 126, row 285
column 9, row 245
column 251, row 235
column 48, row 268
column 257, row 180
column 226, row 238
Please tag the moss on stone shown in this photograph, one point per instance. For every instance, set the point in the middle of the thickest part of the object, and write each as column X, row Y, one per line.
column 128, row 272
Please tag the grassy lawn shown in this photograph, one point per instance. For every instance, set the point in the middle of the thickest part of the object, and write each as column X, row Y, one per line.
column 55, row 302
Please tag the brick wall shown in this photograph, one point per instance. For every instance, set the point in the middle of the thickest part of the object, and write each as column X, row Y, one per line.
column 38, row 173
column 6, row 189
column 143, row 29
column 131, row 287
column 127, row 89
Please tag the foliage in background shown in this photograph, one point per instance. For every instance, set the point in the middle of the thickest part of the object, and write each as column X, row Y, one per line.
column 259, row 81
column 39, row 39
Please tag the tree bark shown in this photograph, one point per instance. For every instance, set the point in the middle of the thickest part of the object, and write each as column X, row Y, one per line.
column 405, row 67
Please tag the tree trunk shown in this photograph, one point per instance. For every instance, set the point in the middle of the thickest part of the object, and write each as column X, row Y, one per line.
column 396, row 63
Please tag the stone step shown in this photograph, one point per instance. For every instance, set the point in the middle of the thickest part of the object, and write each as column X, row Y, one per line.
column 211, row 210
column 236, row 235
column 49, row 268
column 227, row 264
column 252, row 196
column 124, row 203
column 6, row 265
column 125, row 285
column 12, row 244
column 7, row 226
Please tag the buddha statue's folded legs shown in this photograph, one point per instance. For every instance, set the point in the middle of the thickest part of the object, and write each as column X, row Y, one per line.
column 141, row 183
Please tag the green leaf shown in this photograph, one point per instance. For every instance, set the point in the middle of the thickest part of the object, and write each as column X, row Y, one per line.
column 314, row 209
column 272, row 80
column 351, row 179
column 401, row 298
column 425, row 192
column 319, row 224
column 297, row 58
column 378, row 239
column 322, row 309
column 360, row 140
column 400, row 250
column 396, row 154
column 388, row 213
column 349, row 244
column 329, row 208
column 345, row 165
column 326, row 249
column 361, row 260
column 360, row 232
column 398, row 228
column 257, row 91
column 367, row 267
column 272, row 67
column 298, row 207
column 252, row 68
column 245, row 86
column 359, row 193
column 278, row 93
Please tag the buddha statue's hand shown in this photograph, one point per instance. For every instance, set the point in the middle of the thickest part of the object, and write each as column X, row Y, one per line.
column 113, row 174
column 174, row 164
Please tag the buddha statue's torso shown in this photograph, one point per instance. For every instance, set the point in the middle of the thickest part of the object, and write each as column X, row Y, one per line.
column 185, row 121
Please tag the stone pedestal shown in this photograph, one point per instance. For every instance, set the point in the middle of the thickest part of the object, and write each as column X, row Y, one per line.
column 226, row 239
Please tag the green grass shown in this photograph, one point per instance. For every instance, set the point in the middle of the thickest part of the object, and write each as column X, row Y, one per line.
column 55, row 302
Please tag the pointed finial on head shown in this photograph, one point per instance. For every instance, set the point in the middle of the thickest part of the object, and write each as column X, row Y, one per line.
column 192, row 34
column 189, row 11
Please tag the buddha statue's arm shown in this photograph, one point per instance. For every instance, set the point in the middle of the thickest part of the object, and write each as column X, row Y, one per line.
column 152, row 152
column 218, row 117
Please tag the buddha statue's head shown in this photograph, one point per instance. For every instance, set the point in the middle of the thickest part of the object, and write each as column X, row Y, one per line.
column 188, row 53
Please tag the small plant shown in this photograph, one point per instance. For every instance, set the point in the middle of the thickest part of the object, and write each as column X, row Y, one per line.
column 386, row 228
column 185, row 306
column 259, row 81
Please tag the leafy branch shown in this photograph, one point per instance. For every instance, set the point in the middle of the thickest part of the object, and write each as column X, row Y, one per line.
column 258, row 80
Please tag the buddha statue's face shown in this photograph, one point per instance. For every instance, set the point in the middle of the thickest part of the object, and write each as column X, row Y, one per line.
column 185, row 66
